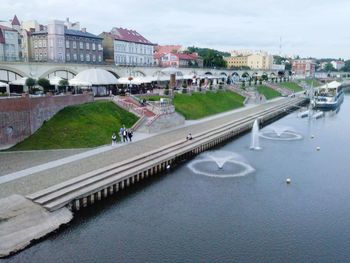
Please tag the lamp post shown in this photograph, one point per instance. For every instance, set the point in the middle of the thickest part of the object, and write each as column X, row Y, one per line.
column 130, row 78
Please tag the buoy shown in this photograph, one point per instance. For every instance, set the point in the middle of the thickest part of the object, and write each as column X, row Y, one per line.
column 318, row 148
column 312, row 136
column 288, row 181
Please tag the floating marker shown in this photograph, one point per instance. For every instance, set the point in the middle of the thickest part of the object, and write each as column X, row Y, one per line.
column 318, row 148
column 288, row 181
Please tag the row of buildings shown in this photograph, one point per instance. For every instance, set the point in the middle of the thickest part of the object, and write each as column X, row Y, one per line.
column 67, row 42
column 254, row 60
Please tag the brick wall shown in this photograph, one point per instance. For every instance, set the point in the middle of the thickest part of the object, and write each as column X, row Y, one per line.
column 21, row 117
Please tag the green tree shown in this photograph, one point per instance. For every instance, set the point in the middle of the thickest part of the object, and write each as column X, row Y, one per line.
column 30, row 82
column 166, row 90
column 329, row 67
column 211, row 57
column 347, row 66
column 45, row 83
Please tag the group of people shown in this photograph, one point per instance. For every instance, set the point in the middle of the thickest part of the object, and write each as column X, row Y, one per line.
column 125, row 135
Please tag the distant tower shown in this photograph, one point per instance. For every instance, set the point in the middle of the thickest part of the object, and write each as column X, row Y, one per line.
column 280, row 51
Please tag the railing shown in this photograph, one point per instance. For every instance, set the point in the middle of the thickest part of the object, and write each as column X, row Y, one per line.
column 139, row 111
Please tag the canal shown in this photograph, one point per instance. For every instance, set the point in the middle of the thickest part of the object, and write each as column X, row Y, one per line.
column 244, row 212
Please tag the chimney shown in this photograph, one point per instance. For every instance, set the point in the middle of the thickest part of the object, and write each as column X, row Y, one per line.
column 67, row 19
column 83, row 29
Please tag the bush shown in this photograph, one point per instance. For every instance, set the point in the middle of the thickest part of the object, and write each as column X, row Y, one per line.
column 166, row 90
column 184, row 90
column 45, row 83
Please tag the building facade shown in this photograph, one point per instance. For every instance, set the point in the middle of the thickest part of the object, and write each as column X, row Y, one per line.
column 236, row 61
column 180, row 60
column 59, row 44
column 9, row 44
column 127, row 47
column 304, row 68
column 338, row 64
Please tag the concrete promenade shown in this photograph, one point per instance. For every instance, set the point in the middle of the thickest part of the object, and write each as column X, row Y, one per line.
column 44, row 175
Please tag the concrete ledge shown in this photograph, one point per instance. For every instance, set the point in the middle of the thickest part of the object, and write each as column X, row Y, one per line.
column 22, row 221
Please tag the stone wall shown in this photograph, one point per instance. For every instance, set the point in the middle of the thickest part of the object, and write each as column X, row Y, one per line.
column 21, row 117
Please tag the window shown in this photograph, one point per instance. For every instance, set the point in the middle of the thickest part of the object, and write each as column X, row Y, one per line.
column 93, row 46
column 87, row 46
column 81, row 45
column 74, row 44
column 88, row 57
column 75, row 57
column 99, row 47
column 99, row 58
column 67, row 44
column 40, row 43
column 45, row 55
column 60, row 42
column 36, row 56
column 35, row 43
column 81, row 57
column 93, row 58
column 44, row 43
column 40, row 56
column 68, row 57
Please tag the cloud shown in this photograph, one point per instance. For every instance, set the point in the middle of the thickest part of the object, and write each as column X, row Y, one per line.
column 307, row 27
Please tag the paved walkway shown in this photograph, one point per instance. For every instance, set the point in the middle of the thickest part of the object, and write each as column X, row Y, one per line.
column 44, row 175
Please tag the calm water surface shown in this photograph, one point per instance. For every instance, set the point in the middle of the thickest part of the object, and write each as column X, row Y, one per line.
column 187, row 217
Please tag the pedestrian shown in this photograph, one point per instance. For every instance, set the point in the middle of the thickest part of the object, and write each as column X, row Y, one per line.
column 121, row 132
column 130, row 134
column 125, row 135
column 114, row 139
column 189, row 137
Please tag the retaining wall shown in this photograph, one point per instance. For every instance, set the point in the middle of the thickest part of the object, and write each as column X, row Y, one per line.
column 21, row 117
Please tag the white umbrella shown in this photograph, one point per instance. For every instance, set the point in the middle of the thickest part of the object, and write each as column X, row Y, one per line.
column 20, row 82
column 3, row 85
column 170, row 70
column 77, row 82
column 95, row 76
column 55, row 80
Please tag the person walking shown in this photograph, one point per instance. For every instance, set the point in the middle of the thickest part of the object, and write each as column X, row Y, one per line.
column 125, row 134
column 114, row 139
column 121, row 132
column 130, row 134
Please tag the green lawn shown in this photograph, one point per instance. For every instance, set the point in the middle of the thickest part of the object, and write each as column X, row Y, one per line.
column 151, row 98
column 291, row 86
column 81, row 126
column 268, row 92
column 313, row 82
column 200, row 105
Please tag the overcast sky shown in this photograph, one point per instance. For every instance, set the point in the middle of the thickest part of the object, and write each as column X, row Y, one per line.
column 318, row 28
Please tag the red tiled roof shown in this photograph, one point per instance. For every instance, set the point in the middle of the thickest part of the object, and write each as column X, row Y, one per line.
column 124, row 34
column 185, row 56
column 167, row 48
column 15, row 21
column 2, row 39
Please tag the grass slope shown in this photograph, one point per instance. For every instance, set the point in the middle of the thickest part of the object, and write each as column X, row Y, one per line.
column 80, row 126
column 291, row 86
column 313, row 82
column 200, row 105
column 268, row 92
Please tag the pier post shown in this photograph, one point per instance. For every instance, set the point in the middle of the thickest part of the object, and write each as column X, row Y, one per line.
column 105, row 193
column 77, row 204
column 92, row 199
column 99, row 195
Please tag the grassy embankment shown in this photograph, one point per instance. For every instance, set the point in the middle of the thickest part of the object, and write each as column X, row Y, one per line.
column 268, row 92
column 200, row 105
column 313, row 82
column 80, row 126
column 291, row 86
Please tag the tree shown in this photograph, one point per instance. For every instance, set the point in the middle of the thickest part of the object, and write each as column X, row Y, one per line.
column 211, row 57
column 30, row 82
column 63, row 83
column 45, row 83
column 166, row 90
column 329, row 67
column 347, row 66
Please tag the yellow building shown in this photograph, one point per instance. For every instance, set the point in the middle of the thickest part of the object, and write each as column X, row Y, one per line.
column 260, row 61
column 254, row 61
column 238, row 61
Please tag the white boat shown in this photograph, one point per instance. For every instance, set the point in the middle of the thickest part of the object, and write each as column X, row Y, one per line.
column 329, row 96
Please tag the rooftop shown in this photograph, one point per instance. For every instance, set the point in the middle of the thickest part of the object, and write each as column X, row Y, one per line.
column 127, row 35
column 15, row 21
column 71, row 32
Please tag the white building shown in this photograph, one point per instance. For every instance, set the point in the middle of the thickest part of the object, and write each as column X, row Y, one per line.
column 338, row 64
column 127, row 47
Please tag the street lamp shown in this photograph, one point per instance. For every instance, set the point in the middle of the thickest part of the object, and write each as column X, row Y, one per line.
column 130, row 78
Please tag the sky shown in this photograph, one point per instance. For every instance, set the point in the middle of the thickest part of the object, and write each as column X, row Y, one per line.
column 308, row 28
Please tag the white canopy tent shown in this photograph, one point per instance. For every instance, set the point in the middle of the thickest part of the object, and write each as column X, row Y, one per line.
column 333, row 84
column 95, row 77
column 5, row 85
column 55, row 80
column 20, row 82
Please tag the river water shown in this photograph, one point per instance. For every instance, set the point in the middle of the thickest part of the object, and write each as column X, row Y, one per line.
column 189, row 217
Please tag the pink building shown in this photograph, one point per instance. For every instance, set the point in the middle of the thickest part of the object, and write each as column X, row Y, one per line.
column 180, row 60
column 304, row 68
